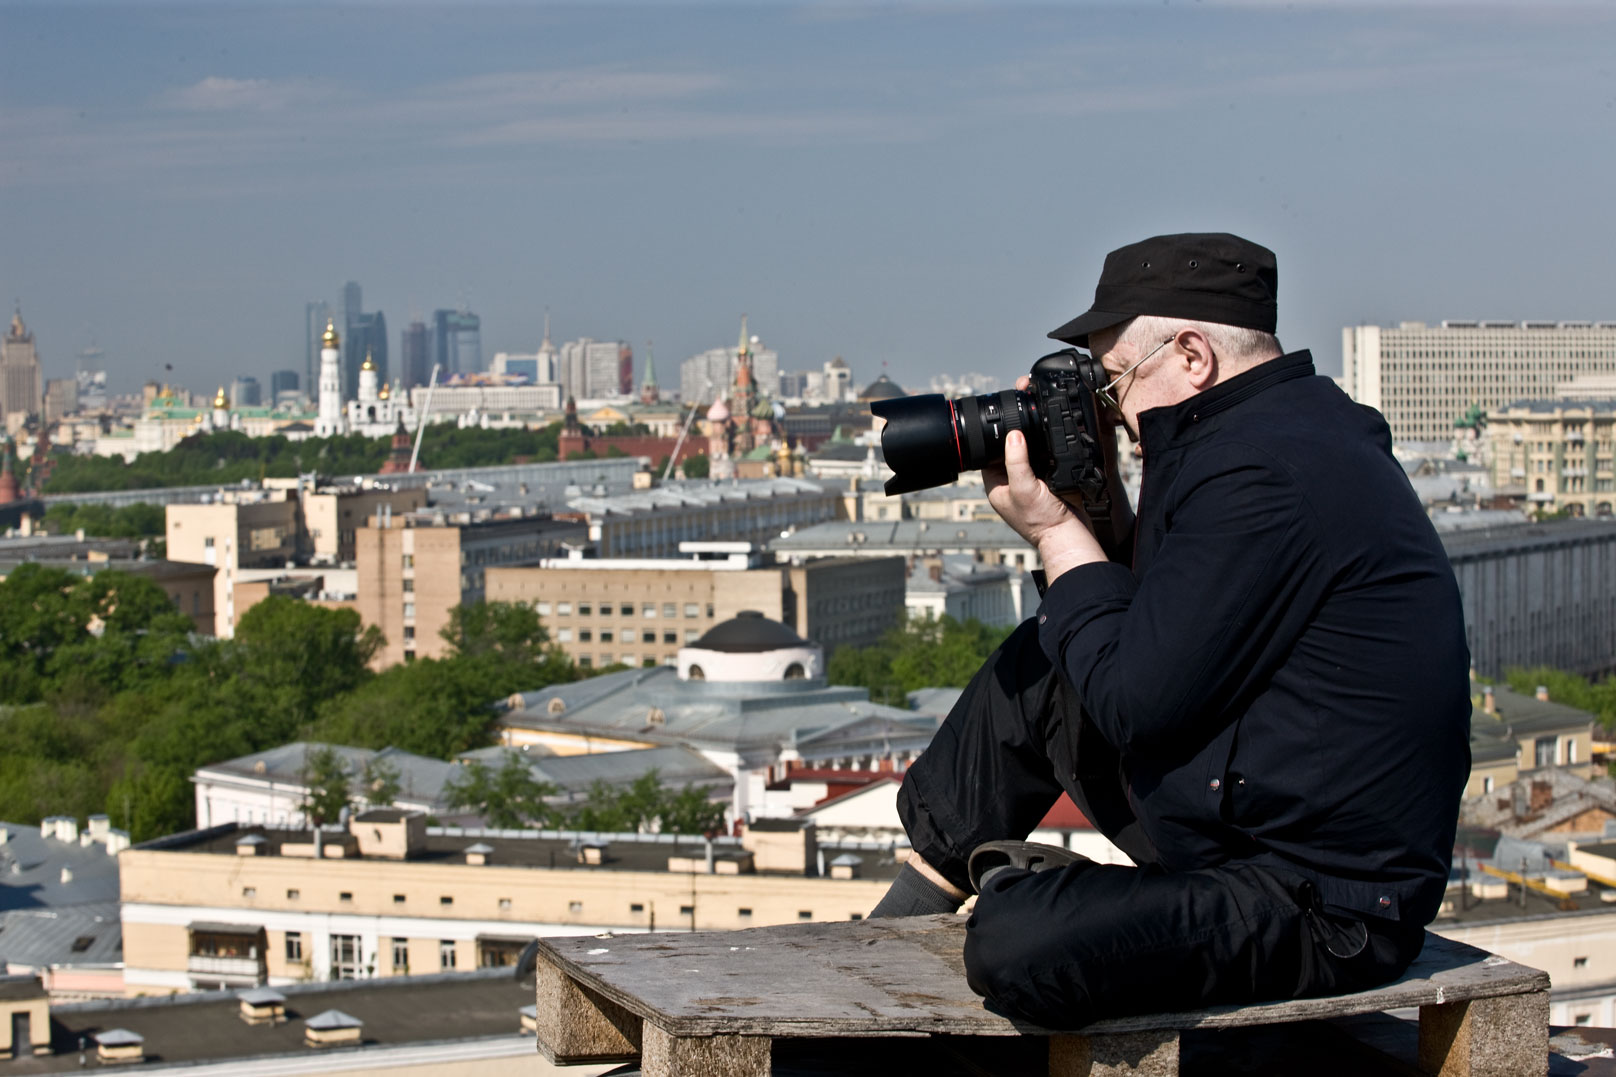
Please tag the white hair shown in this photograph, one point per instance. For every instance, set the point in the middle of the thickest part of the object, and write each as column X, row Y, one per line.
column 1245, row 347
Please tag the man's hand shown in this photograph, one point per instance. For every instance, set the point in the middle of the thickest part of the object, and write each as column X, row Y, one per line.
column 1027, row 504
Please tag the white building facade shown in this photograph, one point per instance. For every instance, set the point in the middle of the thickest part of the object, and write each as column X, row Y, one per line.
column 1422, row 378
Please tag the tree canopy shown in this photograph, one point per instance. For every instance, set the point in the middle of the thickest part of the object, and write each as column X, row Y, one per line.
column 109, row 702
column 230, row 456
column 921, row 652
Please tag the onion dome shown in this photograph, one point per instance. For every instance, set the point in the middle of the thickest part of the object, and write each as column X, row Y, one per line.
column 220, row 401
column 370, row 364
column 719, row 412
column 329, row 338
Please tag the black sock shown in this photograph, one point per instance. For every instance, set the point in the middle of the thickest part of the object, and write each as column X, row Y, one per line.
column 912, row 894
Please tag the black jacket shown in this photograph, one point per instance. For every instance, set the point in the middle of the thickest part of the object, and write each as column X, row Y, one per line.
column 1284, row 669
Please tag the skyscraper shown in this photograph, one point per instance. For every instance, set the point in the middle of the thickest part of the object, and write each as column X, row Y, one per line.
column 20, row 389
column 315, row 315
column 245, row 392
column 457, row 342
column 283, row 385
column 591, row 369
column 415, row 354
column 367, row 337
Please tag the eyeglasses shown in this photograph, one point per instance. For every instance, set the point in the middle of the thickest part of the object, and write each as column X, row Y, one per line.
column 1104, row 391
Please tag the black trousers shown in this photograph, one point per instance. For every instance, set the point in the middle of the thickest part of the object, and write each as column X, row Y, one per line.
column 1065, row 947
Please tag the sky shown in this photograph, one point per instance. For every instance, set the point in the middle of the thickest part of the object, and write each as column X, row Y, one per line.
column 923, row 188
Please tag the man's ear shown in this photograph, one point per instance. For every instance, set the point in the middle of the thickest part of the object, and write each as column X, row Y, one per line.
column 1200, row 361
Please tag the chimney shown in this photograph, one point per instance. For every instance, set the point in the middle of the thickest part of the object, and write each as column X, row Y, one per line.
column 1489, row 701
column 1542, row 693
column 1542, row 797
column 936, row 571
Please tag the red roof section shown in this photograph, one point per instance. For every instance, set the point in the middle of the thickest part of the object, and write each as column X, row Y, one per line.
column 1065, row 816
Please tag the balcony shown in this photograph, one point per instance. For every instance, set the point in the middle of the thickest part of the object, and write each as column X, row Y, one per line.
column 240, row 968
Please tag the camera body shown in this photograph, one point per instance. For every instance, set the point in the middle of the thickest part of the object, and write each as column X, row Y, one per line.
column 928, row 440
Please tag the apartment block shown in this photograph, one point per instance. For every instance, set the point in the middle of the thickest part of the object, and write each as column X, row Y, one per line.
column 332, row 517
column 233, row 906
column 652, row 523
column 1558, row 453
column 1422, row 378
column 413, row 569
column 287, row 521
column 247, row 530
column 641, row 611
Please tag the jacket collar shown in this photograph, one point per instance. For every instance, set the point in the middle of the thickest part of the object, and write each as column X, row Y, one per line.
column 1161, row 428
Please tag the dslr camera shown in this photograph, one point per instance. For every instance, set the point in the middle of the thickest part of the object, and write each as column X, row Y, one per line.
column 928, row 440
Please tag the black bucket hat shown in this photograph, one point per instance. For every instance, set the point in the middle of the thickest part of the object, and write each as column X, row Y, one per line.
column 1202, row 276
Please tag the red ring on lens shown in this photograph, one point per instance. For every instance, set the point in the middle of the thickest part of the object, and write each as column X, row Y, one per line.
column 959, row 453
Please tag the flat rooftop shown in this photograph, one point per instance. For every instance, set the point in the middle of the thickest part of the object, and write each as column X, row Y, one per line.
column 206, row 1027
column 549, row 849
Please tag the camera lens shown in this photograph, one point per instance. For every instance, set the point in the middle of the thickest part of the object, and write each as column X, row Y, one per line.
column 920, row 441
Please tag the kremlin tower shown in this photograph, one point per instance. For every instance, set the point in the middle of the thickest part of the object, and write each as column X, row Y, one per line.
column 330, row 421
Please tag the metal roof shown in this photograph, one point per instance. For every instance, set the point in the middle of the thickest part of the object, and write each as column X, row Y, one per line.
column 31, row 868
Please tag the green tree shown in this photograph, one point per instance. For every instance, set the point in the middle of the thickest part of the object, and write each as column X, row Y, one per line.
column 326, row 776
column 919, row 653
column 510, row 631
column 508, row 798
column 379, row 782
column 294, row 656
column 698, row 466
column 646, row 805
column 691, row 811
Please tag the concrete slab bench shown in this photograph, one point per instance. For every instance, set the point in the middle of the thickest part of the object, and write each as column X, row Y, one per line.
column 713, row 1003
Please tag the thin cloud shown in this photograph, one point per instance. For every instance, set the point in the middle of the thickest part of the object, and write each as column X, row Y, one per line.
column 219, row 94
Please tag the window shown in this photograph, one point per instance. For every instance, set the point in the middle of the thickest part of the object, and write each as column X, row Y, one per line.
column 1579, row 962
column 575, row 907
column 606, row 635
column 670, row 609
column 586, row 635
column 446, row 954
column 563, row 635
column 687, row 910
column 626, row 609
column 805, row 914
column 249, row 892
column 743, row 914
column 564, row 609
column 293, row 895
column 648, row 610
column 409, row 560
column 627, row 635
column 445, row 900
column 409, row 585
column 504, row 904
column 1544, row 750
column 585, row 609
column 692, row 635
column 346, row 897
column 709, row 610
column 398, row 899
column 294, row 946
column 636, row 907
column 692, row 610
column 670, row 637
column 345, row 957
column 542, row 608
column 401, row 956
column 855, row 916
column 207, row 543
column 585, row 662
column 1571, row 752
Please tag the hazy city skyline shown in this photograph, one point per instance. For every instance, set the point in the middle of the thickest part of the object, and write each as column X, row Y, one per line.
column 931, row 187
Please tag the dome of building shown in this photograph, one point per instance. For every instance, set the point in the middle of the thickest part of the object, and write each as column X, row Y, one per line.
column 882, row 388
column 719, row 412
column 751, row 647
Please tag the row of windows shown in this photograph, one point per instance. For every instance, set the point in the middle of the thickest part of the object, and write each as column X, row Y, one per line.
column 626, row 635
column 345, row 897
column 347, row 954
column 648, row 610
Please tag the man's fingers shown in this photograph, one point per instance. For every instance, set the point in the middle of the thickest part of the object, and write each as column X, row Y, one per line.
column 1024, row 381
column 1015, row 458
